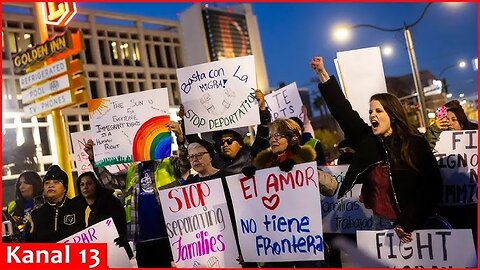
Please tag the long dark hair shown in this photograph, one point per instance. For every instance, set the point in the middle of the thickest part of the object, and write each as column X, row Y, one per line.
column 461, row 118
column 402, row 129
column 98, row 187
column 31, row 178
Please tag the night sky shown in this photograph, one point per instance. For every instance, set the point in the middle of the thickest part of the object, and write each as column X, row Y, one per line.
column 291, row 33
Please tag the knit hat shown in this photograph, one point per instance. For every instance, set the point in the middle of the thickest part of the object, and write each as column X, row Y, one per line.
column 55, row 173
column 207, row 145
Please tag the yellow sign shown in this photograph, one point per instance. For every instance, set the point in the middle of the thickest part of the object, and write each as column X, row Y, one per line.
column 58, row 13
column 38, row 53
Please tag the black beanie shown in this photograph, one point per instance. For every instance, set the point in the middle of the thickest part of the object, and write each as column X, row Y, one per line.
column 55, row 173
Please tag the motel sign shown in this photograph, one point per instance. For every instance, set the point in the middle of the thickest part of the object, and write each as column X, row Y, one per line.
column 58, row 13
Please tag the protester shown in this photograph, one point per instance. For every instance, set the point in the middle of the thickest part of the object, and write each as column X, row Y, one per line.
column 285, row 151
column 142, row 202
column 400, row 176
column 28, row 193
column 100, row 204
column 459, row 216
column 234, row 153
column 59, row 217
column 456, row 119
column 200, row 155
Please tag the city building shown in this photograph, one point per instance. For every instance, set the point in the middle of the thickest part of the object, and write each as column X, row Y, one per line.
column 123, row 54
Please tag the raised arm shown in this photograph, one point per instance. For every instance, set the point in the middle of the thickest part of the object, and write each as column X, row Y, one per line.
column 349, row 120
column 109, row 180
column 261, row 141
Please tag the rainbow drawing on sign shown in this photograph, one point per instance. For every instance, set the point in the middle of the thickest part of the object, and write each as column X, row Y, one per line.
column 153, row 140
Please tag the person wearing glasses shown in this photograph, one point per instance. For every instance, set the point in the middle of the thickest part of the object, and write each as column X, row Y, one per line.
column 200, row 155
column 140, row 185
column 286, row 151
column 234, row 153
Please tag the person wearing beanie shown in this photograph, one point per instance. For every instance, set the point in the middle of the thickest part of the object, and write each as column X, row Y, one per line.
column 59, row 217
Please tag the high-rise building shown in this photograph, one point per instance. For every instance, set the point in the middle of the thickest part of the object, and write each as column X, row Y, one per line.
column 214, row 33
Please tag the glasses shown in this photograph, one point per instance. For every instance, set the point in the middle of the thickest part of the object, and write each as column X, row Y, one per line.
column 229, row 141
column 196, row 156
column 276, row 136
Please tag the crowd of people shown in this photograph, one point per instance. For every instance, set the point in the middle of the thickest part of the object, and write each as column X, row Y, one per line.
column 394, row 162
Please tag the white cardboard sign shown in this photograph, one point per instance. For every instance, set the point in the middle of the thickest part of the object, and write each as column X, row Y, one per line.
column 219, row 95
column 130, row 127
column 361, row 73
column 457, row 157
column 278, row 214
column 428, row 249
column 103, row 232
column 285, row 102
column 199, row 226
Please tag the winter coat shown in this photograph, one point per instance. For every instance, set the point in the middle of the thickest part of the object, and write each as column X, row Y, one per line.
column 416, row 192
column 51, row 223
column 328, row 184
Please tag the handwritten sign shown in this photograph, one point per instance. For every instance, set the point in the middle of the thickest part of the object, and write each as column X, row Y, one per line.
column 130, row 127
column 346, row 214
column 278, row 214
column 199, row 225
column 219, row 95
column 103, row 232
column 428, row 249
column 82, row 164
column 285, row 102
column 457, row 158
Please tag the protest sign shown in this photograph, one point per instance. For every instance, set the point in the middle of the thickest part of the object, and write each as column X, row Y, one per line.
column 219, row 95
column 199, row 226
column 103, row 232
column 130, row 127
column 278, row 214
column 79, row 139
column 457, row 158
column 346, row 214
column 82, row 164
column 285, row 102
column 359, row 82
column 428, row 248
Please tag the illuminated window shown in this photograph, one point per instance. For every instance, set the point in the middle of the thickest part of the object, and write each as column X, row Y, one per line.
column 136, row 52
column 113, row 46
column 14, row 42
column 29, row 40
column 125, row 52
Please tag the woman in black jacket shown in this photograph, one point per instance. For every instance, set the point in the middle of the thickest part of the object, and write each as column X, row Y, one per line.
column 100, row 204
column 400, row 176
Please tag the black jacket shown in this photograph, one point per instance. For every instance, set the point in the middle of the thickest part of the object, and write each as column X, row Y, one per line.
column 52, row 223
column 106, row 206
column 416, row 192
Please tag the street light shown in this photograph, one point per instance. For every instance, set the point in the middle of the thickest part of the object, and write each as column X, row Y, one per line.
column 411, row 54
column 461, row 64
